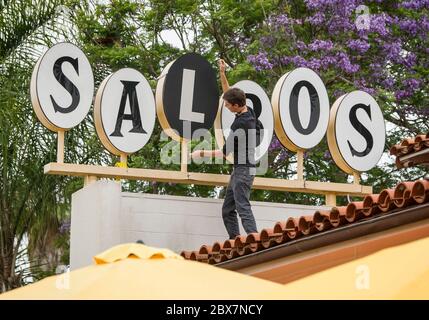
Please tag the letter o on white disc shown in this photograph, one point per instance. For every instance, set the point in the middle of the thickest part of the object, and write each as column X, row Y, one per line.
column 124, row 112
column 301, row 109
column 62, row 87
column 356, row 132
column 258, row 100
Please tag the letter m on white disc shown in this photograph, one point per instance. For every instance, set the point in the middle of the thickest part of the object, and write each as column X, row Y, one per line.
column 187, row 98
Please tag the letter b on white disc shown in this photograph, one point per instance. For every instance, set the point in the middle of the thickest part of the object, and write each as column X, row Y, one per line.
column 124, row 111
column 257, row 99
column 62, row 86
column 356, row 133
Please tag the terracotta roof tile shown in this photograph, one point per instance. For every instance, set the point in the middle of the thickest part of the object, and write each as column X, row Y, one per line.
column 292, row 227
column 354, row 211
column 334, row 217
column 205, row 250
column 269, row 238
column 254, row 241
column 338, row 216
column 385, row 200
column 403, row 195
column 321, row 220
column 280, row 234
column 370, row 204
column 411, row 146
column 186, row 254
column 306, row 225
column 420, row 191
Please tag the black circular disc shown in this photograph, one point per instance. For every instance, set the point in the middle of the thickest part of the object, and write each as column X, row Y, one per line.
column 191, row 80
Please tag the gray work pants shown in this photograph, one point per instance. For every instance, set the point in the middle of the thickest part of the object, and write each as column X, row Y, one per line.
column 237, row 201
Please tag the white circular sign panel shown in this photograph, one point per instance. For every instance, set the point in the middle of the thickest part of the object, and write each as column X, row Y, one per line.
column 258, row 100
column 62, row 87
column 301, row 108
column 357, row 132
column 124, row 111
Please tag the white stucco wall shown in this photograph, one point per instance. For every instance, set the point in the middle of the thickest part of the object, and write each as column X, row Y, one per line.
column 103, row 216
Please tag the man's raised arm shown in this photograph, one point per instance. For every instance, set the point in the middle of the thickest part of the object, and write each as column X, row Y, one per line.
column 223, row 79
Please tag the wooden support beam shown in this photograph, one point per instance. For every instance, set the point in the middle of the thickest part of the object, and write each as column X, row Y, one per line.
column 60, row 146
column 124, row 160
column 184, row 156
column 300, row 164
column 356, row 177
column 331, row 199
column 211, row 179
column 88, row 180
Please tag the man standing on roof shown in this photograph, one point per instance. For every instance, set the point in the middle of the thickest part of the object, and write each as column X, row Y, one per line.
column 242, row 143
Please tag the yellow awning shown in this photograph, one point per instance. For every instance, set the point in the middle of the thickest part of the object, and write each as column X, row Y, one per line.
column 400, row 272
column 135, row 271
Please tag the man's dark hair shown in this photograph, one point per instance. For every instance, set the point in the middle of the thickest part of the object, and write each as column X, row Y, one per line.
column 235, row 96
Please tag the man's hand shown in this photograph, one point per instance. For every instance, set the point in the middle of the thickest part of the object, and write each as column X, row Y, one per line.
column 222, row 65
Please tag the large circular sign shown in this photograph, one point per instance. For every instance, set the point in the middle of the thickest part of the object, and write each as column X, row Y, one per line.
column 187, row 96
column 62, row 87
column 257, row 99
column 124, row 111
column 301, row 109
column 356, row 133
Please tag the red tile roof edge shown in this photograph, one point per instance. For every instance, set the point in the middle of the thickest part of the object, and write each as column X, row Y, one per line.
column 403, row 195
column 409, row 146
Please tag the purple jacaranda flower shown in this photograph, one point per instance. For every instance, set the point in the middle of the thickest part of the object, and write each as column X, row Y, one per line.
column 318, row 45
column 260, row 61
column 411, row 84
column 314, row 64
column 299, row 61
column 283, row 154
column 300, row 45
column 327, row 61
column 317, row 19
column 285, row 60
column 409, row 25
column 241, row 42
column 393, row 50
column 274, row 145
column 64, row 226
column 388, row 83
column 338, row 93
column 424, row 24
column 280, row 21
column 327, row 155
column 414, row 4
column 361, row 84
column 402, row 94
column 409, row 60
column 377, row 69
column 267, row 41
column 319, row 4
column 378, row 24
column 344, row 63
column 360, row 46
